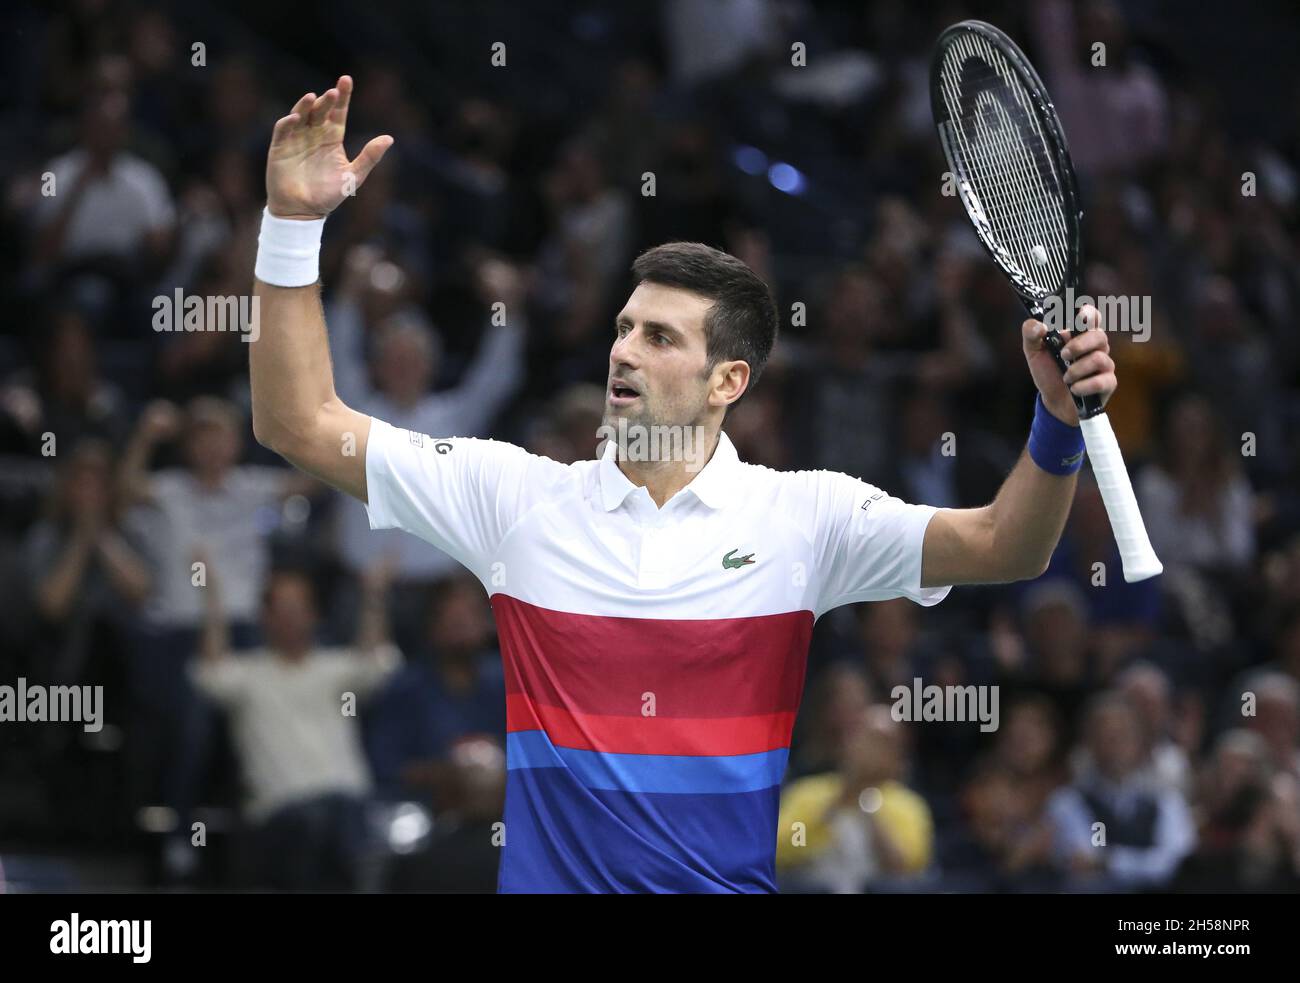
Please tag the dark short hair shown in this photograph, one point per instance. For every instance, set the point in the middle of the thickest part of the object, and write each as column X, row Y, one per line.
column 281, row 575
column 742, row 323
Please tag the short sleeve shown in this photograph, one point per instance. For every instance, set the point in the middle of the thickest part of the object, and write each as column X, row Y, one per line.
column 461, row 494
column 868, row 543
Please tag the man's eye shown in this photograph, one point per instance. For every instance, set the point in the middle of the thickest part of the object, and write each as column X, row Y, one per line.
column 661, row 338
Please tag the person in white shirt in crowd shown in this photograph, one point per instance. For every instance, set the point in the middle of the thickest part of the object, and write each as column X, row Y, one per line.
column 376, row 335
column 292, row 709
column 1148, row 687
column 1276, row 717
column 1198, row 500
column 212, row 500
column 110, row 213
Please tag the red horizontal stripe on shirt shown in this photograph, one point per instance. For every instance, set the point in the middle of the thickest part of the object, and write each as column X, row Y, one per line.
column 705, row 736
column 607, row 666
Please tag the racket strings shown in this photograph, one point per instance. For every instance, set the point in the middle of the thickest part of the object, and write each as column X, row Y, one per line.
column 995, row 179
column 1019, row 179
column 1004, row 159
column 1006, row 175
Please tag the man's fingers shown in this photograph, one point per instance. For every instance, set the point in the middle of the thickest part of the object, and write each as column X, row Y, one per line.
column 1094, row 384
column 344, row 86
column 1084, row 342
column 1032, row 333
column 320, row 109
column 303, row 106
column 370, row 155
column 1088, row 318
column 283, row 126
column 1093, row 363
column 287, row 124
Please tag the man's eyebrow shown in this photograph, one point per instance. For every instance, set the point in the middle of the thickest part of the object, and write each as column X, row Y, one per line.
column 665, row 328
column 650, row 325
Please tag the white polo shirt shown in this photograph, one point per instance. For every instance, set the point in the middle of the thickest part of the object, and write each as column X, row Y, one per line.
column 654, row 658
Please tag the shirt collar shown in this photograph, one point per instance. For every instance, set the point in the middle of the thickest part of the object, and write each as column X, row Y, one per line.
column 713, row 486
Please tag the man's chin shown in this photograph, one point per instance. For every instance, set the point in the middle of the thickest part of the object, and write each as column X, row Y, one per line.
column 625, row 415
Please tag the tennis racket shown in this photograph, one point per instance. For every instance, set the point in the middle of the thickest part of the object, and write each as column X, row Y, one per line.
column 1008, row 156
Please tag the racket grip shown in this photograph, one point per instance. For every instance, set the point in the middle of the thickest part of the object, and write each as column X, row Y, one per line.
column 1139, row 559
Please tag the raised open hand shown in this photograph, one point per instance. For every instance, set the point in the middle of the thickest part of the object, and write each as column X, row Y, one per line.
column 308, row 173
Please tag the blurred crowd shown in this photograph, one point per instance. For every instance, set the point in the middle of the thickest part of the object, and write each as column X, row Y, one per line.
column 224, row 600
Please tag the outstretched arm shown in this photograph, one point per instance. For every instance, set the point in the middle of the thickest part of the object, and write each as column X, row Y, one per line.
column 1014, row 537
column 372, row 625
column 296, row 411
column 160, row 421
column 214, row 642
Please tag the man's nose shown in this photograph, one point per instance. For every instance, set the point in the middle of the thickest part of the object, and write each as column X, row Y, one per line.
column 624, row 351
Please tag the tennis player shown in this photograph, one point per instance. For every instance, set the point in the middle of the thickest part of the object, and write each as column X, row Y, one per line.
column 654, row 615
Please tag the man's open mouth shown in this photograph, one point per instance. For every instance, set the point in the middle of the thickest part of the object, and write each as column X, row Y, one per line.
column 620, row 394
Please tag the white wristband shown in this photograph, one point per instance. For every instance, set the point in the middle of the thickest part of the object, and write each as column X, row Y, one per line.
column 288, row 251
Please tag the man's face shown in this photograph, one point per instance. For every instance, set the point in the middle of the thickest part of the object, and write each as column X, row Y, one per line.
column 461, row 627
column 213, row 445
column 289, row 615
column 660, row 355
column 1116, row 741
column 403, row 367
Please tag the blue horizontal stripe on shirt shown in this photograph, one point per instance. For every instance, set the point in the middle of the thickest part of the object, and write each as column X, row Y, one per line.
column 565, row 838
column 675, row 773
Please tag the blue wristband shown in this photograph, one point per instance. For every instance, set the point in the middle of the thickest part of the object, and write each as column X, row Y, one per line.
column 1056, row 447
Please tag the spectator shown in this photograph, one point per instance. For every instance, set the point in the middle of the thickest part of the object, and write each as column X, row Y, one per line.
column 928, row 466
column 858, row 827
column 1126, row 618
column 406, row 360
column 1058, row 640
column 1113, row 830
column 588, row 253
column 89, row 579
column 1197, row 503
column 212, row 500
column 1117, row 119
column 848, row 380
column 110, row 216
column 891, row 641
column 1249, row 823
column 452, row 689
column 1002, row 844
column 66, row 396
column 211, row 503
column 1030, row 747
column 465, row 849
column 837, row 698
column 1147, row 688
column 570, row 430
column 292, row 709
column 1276, row 717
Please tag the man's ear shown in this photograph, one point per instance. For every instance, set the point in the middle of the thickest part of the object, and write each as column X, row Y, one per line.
column 728, row 382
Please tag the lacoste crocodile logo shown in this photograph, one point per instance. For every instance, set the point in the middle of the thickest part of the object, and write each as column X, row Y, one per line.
column 733, row 562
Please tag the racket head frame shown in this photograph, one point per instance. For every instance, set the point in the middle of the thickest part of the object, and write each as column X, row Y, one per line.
column 1034, row 301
